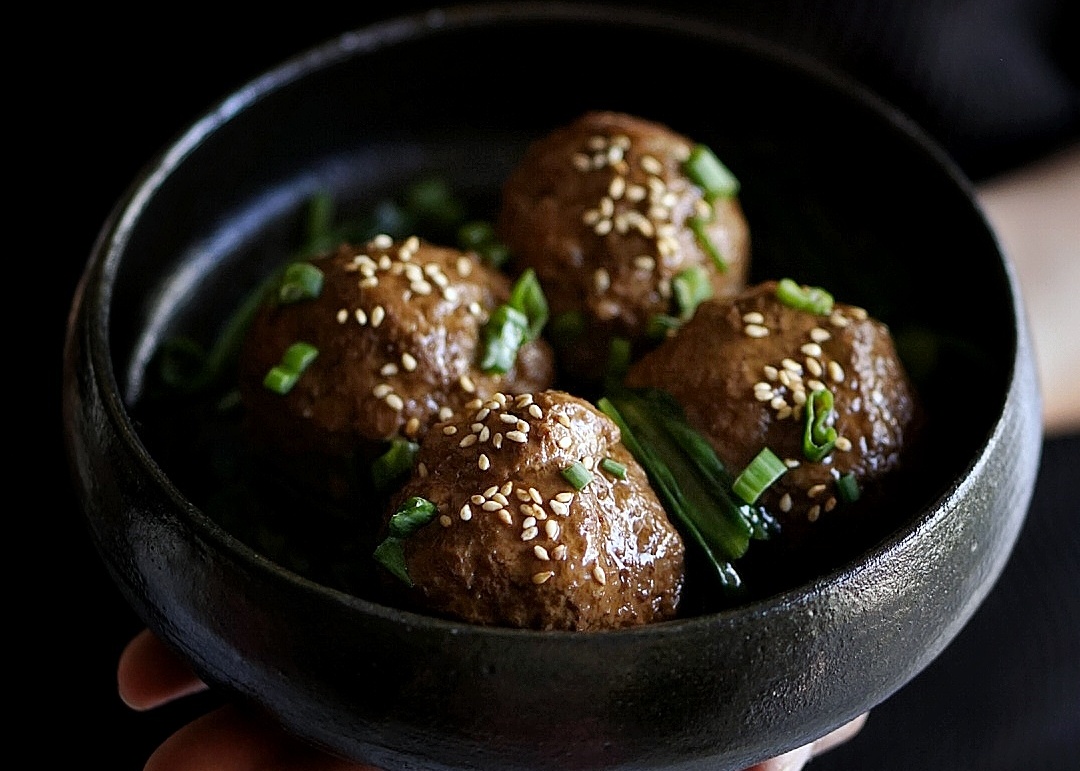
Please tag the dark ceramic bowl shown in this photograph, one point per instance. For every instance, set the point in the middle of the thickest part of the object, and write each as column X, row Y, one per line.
column 840, row 190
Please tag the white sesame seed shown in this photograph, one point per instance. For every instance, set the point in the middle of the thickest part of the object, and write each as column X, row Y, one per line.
column 843, row 444
column 445, row 413
column 819, row 335
column 529, row 533
column 485, row 432
column 342, row 316
column 468, row 441
column 778, row 403
column 785, row 502
column 770, row 371
column 811, row 349
column 445, row 521
column 564, row 497
column 763, row 396
column 599, row 575
column 412, row 427
column 756, row 331
column 815, row 385
column 378, row 313
column 361, row 317
column 839, row 320
column 381, row 390
column 467, row 384
column 753, row 317
column 830, row 504
column 813, row 513
column 542, row 576
column 522, row 494
column 501, row 499
column 478, row 499
column 559, row 552
column 816, row 490
column 792, row 366
column 563, row 420
column 535, row 411
column 491, row 505
column 421, row 469
column 382, row 241
column 388, row 370
column 602, row 228
column 791, row 462
column 601, row 280
column 483, row 462
column 517, row 436
column 559, row 508
column 368, row 283
column 564, row 443
column 408, row 361
column 836, row 372
column 651, row 166
column 506, row 516
column 551, row 529
column 541, row 553
column 814, row 366
column 449, row 430
column 465, row 513
column 394, row 402
column 491, row 491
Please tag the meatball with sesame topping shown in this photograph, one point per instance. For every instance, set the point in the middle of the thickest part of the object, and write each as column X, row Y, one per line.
column 393, row 333
column 751, row 372
column 541, row 519
column 627, row 224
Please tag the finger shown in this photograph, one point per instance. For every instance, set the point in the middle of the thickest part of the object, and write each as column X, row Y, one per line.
column 149, row 674
column 800, row 756
column 229, row 739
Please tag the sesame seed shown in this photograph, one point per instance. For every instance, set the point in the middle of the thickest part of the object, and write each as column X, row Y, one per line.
column 836, row 372
column 635, row 193
column 388, row 370
column 815, row 385
column 644, row 262
column 602, row 228
column 601, row 280
column 819, row 335
column 599, row 575
column 497, row 441
column 468, row 441
column 485, row 432
column 522, row 494
column 467, row 384
column 617, row 187
column 792, row 366
column 551, row 529
column 529, row 533
column 378, row 313
column 813, row 513
column 651, row 165
column 361, row 317
column 815, row 491
column 535, row 496
column 421, row 469
column 541, row 553
column 830, row 504
column 500, row 498
column 395, row 402
column 559, row 552
column 859, row 313
column 564, row 497
column 563, row 420
column 478, row 499
column 491, row 491
column 839, row 320
column 507, row 488
column 368, row 283
column 483, row 462
column 507, row 417
column 762, row 395
column 535, row 411
column 464, row 266
column 382, row 241
column 811, row 349
column 444, row 520
column 506, row 516
column 381, row 390
column 465, row 513
column 529, row 522
column 843, row 444
column 791, row 463
column 449, row 430
column 408, row 361
column 517, row 436
column 559, row 508
column 778, row 403
column 445, row 413
column 342, row 316
column 491, row 505
column 542, row 576
column 564, row 443
column 756, row 331
column 770, row 371
column 785, row 502
column 412, row 427
column 814, row 366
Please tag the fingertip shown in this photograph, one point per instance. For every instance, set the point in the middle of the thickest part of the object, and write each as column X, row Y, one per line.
column 149, row 674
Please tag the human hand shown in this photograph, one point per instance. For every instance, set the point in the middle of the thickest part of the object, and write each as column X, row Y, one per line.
column 150, row 675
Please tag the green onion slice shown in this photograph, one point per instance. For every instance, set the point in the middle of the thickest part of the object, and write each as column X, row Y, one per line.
column 300, row 281
column 700, row 227
column 527, row 297
column 661, row 325
column 394, row 464
column 847, row 486
column 691, row 287
column 613, row 467
column 818, row 436
column 812, row 299
column 577, row 475
column 504, row 332
column 297, row 358
column 413, row 514
column 707, row 172
column 761, row 472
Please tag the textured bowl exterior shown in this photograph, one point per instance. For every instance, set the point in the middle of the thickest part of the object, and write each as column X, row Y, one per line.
column 403, row 691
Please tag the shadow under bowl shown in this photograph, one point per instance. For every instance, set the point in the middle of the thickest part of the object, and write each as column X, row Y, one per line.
column 840, row 190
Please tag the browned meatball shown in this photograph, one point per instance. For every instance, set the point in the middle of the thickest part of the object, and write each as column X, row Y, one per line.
column 516, row 544
column 743, row 369
column 397, row 327
column 601, row 209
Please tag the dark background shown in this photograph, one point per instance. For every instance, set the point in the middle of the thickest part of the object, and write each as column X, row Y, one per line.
column 98, row 96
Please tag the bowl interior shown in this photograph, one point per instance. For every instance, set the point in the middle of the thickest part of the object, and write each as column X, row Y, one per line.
column 839, row 191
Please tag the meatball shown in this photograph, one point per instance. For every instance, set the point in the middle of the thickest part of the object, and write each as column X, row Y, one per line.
column 743, row 370
column 604, row 211
column 516, row 543
column 397, row 329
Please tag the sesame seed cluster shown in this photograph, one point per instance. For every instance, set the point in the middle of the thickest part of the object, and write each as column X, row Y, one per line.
column 385, row 266
column 639, row 197
column 524, row 493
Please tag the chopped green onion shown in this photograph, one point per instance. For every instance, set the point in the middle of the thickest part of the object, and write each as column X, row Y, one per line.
column 479, row 236
column 409, row 517
column 661, row 326
column 761, row 472
column 412, row 515
column 691, row 287
column 577, row 475
column 433, row 200
column 812, row 299
column 700, row 226
column 613, row 467
column 301, row 281
column 527, row 297
column 394, row 464
column 707, row 172
column 297, row 358
column 503, row 334
column 848, row 487
column 515, row 322
column 818, row 436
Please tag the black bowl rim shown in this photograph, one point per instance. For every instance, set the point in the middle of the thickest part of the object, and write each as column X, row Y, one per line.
column 96, row 284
